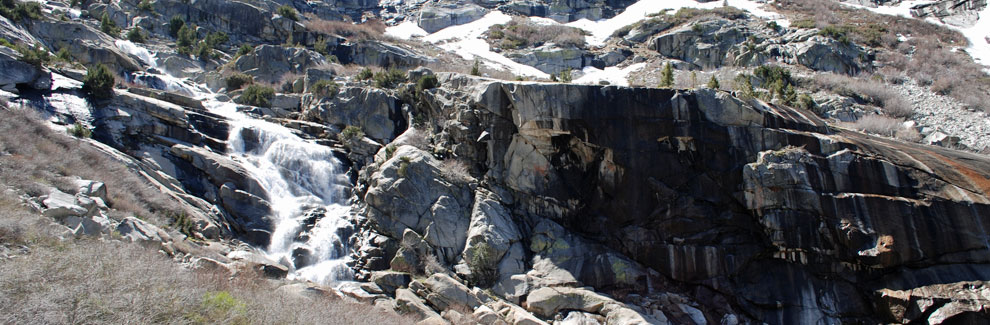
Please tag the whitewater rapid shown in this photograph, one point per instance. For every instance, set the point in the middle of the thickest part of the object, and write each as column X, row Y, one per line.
column 303, row 180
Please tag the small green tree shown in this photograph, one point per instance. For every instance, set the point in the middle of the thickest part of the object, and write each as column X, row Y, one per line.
column 174, row 25
column 257, row 95
column 790, row 95
column 135, row 35
column 565, row 76
column 244, row 50
column 667, row 76
column 365, row 74
column 238, row 80
column 476, row 69
column 427, row 82
column 187, row 38
column 325, row 88
column 99, row 82
column 694, row 79
column 713, row 83
column 145, row 5
column 108, row 26
column 320, row 46
column 288, row 12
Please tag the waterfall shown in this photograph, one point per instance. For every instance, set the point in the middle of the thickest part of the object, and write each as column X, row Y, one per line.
column 299, row 177
column 303, row 180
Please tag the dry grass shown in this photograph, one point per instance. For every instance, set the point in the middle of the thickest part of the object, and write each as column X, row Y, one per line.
column 928, row 55
column 36, row 158
column 878, row 124
column 523, row 33
column 98, row 282
column 371, row 30
column 867, row 89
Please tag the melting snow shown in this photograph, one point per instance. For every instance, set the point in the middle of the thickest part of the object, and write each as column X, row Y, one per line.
column 614, row 75
column 602, row 29
column 406, row 30
column 466, row 40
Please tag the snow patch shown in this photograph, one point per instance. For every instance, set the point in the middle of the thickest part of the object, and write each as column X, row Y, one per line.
column 613, row 75
column 466, row 41
column 406, row 30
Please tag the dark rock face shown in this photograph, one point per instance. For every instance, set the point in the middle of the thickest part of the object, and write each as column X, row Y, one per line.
column 767, row 208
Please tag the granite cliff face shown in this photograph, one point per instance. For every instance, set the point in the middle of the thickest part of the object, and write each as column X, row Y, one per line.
column 756, row 210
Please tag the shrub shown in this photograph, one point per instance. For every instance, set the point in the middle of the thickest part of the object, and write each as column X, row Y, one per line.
column 174, row 25
column 108, row 26
column 135, row 35
column 403, row 166
column 320, row 46
column 245, row 50
column 713, row 83
column 238, row 80
column 476, row 69
column 878, row 124
column 19, row 11
column 187, row 37
column 389, row 78
column 99, row 82
column 835, row 32
column 288, row 12
column 257, row 95
column 565, row 76
column 806, row 102
column 216, row 39
column 203, row 51
column 389, row 151
column 370, row 30
column 325, row 88
column 770, row 75
column 350, row 133
column 365, row 74
column 79, row 131
column 667, row 76
column 7, row 43
column 521, row 32
column 36, row 55
column 145, row 5
column 484, row 271
column 427, row 82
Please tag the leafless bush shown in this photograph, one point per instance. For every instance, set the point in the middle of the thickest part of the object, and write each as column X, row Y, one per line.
column 455, row 168
column 878, row 124
column 866, row 88
column 523, row 33
column 39, row 157
column 371, row 30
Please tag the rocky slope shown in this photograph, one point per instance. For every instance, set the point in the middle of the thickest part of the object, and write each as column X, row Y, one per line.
column 464, row 199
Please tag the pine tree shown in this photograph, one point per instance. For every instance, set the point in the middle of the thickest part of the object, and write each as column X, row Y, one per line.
column 694, row 79
column 667, row 76
column 713, row 83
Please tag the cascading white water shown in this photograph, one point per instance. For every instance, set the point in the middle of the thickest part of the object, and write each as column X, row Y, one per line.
column 300, row 177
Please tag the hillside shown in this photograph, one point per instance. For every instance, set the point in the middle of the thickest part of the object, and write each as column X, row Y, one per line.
column 494, row 161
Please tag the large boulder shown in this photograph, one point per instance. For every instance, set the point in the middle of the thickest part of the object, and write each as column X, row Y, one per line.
column 377, row 53
column 137, row 230
column 14, row 72
column 88, row 45
column 411, row 190
column 271, row 63
column 553, row 59
column 435, row 18
column 703, row 43
column 373, row 110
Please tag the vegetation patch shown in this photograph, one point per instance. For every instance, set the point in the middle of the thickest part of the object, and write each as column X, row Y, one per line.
column 238, row 80
column 99, row 82
column 523, row 33
column 257, row 95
